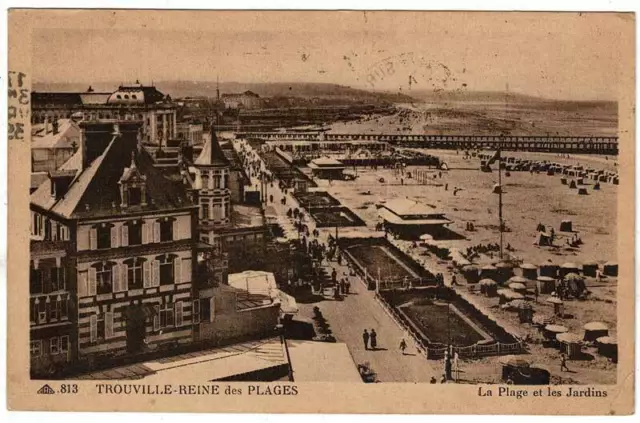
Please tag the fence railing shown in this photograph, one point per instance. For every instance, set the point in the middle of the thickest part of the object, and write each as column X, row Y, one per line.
column 437, row 351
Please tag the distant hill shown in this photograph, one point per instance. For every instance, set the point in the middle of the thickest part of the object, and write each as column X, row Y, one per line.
column 510, row 98
column 208, row 89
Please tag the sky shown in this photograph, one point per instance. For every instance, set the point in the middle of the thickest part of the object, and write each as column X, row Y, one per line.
column 562, row 55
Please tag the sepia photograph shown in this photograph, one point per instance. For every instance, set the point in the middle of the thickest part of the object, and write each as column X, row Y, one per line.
column 366, row 198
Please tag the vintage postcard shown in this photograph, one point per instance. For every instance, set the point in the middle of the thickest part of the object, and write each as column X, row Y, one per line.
column 321, row 212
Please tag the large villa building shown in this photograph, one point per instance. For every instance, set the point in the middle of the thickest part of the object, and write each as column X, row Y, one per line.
column 131, row 102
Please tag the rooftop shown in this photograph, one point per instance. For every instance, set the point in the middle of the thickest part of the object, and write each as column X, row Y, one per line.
column 94, row 191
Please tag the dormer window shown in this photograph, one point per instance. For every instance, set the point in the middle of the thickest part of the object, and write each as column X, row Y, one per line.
column 133, row 186
column 135, row 196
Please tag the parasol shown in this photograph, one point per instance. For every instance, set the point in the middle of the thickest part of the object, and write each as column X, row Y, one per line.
column 556, row 328
column 596, row 326
column 518, row 279
column 569, row 338
column 516, row 286
column 515, row 361
column 554, row 300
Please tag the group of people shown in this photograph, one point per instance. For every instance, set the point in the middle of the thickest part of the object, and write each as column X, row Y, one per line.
column 370, row 339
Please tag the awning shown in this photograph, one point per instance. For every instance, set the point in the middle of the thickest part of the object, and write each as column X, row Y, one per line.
column 288, row 304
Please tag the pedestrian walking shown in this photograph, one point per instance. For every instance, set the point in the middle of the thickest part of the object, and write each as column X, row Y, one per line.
column 365, row 339
column 334, row 275
column 374, row 339
column 348, row 286
column 453, row 280
column 403, row 346
column 563, row 363
column 536, row 292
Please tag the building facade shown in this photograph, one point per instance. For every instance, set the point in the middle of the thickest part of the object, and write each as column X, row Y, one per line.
column 134, row 102
column 129, row 237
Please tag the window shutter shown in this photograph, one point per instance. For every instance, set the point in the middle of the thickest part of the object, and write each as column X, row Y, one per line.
column 108, row 324
column 146, row 278
column 212, row 309
column 185, row 270
column 195, row 311
column 179, row 317
column 82, row 284
column 124, row 278
column 156, row 231
column 125, row 235
column 176, row 229
column 156, row 318
column 93, row 328
column 177, row 270
column 93, row 239
column 155, row 273
column 145, row 232
column 115, row 278
column 92, row 281
column 114, row 237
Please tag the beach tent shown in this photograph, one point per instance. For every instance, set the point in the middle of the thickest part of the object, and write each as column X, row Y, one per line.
column 543, row 320
column 558, row 305
column 546, row 285
column 549, row 269
column 518, row 287
column 543, row 239
column 529, row 271
column 595, row 330
column 575, row 284
column 487, row 271
column 610, row 269
column 570, row 344
column 608, row 347
column 590, row 269
column 488, row 287
column 567, row 268
column 551, row 331
column 504, row 271
column 582, row 191
column 573, row 184
column 566, row 226
column 471, row 273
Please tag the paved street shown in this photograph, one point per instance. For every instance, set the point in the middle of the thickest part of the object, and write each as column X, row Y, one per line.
column 358, row 311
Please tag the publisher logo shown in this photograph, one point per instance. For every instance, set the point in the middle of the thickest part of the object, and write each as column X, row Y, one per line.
column 46, row 390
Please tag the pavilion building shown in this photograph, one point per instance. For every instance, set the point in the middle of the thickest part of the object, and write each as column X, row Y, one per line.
column 410, row 219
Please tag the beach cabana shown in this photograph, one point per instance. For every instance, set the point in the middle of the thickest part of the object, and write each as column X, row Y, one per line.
column 518, row 287
column 566, row 226
column 543, row 320
column 471, row 273
column 610, row 269
column 590, row 269
column 551, row 331
column 570, row 344
column 546, row 285
column 488, row 271
column 529, row 271
column 504, row 271
column 569, row 267
column 595, row 330
column 489, row 287
column 608, row 347
column 549, row 269
column 558, row 305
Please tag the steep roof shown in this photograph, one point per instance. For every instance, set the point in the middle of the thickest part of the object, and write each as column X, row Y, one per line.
column 67, row 131
column 95, row 190
column 212, row 154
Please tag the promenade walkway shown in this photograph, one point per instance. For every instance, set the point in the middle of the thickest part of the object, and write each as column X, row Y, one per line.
column 358, row 311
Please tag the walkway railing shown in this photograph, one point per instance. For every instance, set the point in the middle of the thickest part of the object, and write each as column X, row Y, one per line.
column 437, row 351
